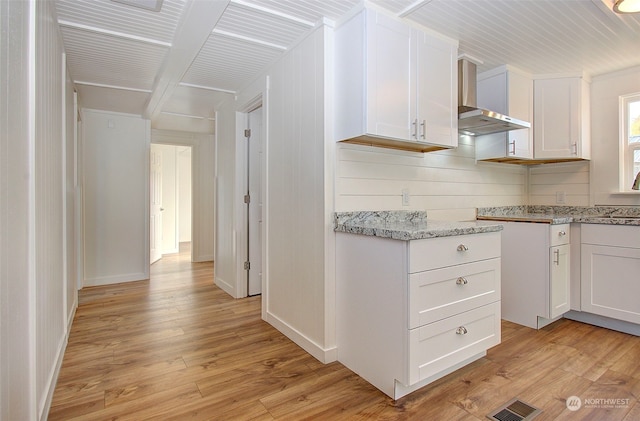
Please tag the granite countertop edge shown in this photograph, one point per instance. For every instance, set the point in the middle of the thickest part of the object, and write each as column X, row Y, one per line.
column 401, row 225
column 563, row 214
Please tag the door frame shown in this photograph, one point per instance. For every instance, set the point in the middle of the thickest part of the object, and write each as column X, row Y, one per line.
column 180, row 140
column 242, row 216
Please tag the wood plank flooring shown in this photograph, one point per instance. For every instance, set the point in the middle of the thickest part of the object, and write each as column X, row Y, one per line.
column 178, row 348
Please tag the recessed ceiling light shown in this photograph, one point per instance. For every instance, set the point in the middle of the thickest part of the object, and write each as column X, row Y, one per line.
column 626, row 6
column 153, row 5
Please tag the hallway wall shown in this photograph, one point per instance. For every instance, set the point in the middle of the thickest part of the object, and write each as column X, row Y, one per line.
column 36, row 299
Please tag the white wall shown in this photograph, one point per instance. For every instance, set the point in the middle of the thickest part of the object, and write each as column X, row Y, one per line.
column 605, row 92
column 300, row 242
column 298, row 276
column 34, row 214
column 184, row 194
column 203, row 182
column 116, row 197
column 448, row 184
column 17, row 394
column 572, row 179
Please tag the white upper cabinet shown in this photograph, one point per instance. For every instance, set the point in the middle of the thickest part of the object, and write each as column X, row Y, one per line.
column 508, row 91
column 395, row 85
column 561, row 125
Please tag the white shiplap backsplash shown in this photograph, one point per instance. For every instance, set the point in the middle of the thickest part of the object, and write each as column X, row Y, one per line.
column 572, row 179
column 449, row 184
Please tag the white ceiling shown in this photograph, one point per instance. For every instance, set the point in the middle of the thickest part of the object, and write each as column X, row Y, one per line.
column 176, row 65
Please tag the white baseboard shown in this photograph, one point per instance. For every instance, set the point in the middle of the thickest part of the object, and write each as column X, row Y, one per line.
column 323, row 355
column 602, row 321
column 115, row 279
column 203, row 258
column 55, row 373
column 226, row 286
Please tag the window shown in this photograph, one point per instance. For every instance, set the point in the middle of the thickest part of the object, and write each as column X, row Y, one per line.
column 630, row 140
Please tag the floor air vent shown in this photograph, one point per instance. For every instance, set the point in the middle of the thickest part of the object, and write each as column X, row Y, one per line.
column 514, row 410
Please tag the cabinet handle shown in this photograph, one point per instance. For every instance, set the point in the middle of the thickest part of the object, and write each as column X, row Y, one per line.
column 415, row 129
column 462, row 281
column 575, row 148
column 424, row 129
column 556, row 259
column 562, row 233
column 462, row 247
column 513, row 146
column 461, row 330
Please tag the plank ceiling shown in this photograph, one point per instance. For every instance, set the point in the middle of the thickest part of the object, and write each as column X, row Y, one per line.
column 177, row 64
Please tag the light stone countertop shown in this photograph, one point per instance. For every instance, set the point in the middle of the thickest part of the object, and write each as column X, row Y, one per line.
column 607, row 215
column 406, row 225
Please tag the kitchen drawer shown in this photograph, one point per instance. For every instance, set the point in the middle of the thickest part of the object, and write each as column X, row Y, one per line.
column 441, row 293
column 442, row 344
column 611, row 235
column 560, row 234
column 432, row 253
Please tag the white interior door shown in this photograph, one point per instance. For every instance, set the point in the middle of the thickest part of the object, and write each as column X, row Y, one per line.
column 155, row 193
column 254, row 220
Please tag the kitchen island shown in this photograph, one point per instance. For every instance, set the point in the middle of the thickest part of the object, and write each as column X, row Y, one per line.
column 416, row 299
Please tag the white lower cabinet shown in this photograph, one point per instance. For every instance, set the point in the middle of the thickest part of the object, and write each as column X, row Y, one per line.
column 610, row 263
column 410, row 312
column 535, row 272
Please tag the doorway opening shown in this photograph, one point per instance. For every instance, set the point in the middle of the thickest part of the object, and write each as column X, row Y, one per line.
column 171, row 200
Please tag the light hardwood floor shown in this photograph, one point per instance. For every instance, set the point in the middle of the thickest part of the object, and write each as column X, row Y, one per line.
column 178, row 348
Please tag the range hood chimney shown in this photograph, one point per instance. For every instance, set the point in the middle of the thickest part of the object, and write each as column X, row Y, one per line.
column 476, row 121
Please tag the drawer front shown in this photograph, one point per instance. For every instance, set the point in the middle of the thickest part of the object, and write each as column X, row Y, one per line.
column 440, row 345
column 560, row 234
column 441, row 293
column 433, row 253
column 611, row 235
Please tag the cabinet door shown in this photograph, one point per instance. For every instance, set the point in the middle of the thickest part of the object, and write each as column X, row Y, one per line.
column 557, row 118
column 437, row 91
column 610, row 285
column 511, row 144
column 390, row 70
column 559, row 279
column 511, row 94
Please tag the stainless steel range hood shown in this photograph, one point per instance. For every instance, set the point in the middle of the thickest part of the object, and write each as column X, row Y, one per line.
column 476, row 121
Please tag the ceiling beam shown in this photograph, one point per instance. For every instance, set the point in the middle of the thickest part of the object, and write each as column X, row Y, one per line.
column 412, row 8
column 196, row 24
column 272, row 12
column 74, row 25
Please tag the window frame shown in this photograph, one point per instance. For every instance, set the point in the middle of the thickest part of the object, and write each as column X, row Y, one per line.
column 627, row 174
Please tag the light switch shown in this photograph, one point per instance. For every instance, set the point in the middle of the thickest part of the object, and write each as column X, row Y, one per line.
column 560, row 197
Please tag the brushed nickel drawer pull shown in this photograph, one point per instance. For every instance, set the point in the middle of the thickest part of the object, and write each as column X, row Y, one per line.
column 462, row 281
column 562, row 233
column 461, row 330
column 462, row 247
